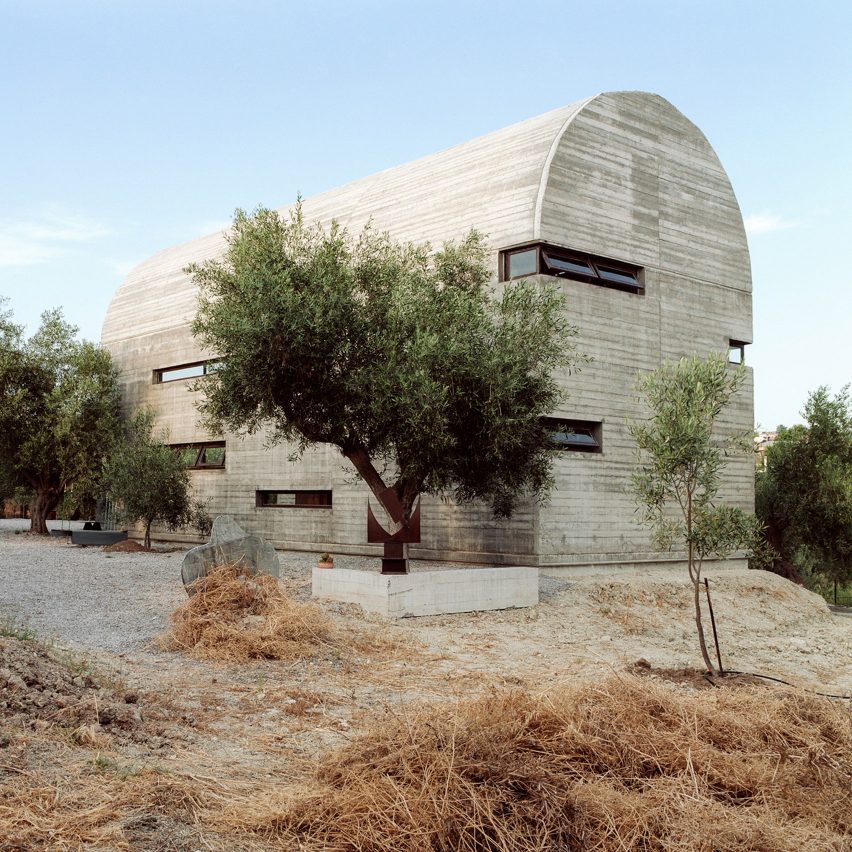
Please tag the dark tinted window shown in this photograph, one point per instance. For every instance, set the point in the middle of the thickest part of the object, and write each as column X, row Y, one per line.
column 575, row 265
column 568, row 264
column 305, row 499
column 523, row 263
column 616, row 275
column 579, row 435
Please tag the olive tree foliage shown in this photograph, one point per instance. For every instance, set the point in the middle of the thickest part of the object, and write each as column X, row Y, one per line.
column 404, row 359
column 804, row 492
column 149, row 480
column 59, row 410
column 681, row 456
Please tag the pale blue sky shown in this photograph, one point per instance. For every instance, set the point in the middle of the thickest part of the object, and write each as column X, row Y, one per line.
column 131, row 126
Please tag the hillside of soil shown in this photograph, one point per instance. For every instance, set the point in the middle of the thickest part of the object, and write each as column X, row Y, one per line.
column 520, row 718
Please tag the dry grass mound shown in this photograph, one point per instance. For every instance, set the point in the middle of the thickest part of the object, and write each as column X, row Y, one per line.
column 129, row 545
column 91, row 808
column 233, row 616
column 625, row 765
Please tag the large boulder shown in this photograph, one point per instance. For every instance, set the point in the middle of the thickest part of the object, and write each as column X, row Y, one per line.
column 229, row 544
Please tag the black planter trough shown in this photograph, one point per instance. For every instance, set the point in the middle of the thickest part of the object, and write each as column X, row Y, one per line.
column 98, row 538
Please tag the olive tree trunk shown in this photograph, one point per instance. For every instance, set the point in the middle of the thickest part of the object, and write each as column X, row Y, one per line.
column 46, row 500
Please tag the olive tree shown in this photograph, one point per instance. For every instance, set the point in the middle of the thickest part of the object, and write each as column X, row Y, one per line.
column 681, row 456
column 149, row 481
column 405, row 359
column 59, row 410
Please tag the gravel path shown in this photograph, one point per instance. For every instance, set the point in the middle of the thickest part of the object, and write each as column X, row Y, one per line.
column 83, row 597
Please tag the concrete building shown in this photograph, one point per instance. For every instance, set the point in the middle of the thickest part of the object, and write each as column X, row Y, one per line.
column 618, row 197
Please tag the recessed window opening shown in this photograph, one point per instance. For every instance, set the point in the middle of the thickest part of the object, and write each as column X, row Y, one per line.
column 568, row 265
column 202, row 456
column 185, row 371
column 293, row 499
column 736, row 351
column 617, row 276
column 520, row 263
column 582, row 436
column 541, row 259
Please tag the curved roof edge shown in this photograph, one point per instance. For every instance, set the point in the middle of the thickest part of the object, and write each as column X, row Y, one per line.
column 545, row 171
column 508, row 184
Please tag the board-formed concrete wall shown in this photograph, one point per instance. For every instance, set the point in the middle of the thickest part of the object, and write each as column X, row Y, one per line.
column 622, row 175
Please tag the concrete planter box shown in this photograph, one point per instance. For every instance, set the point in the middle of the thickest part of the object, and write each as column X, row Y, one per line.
column 97, row 538
column 429, row 592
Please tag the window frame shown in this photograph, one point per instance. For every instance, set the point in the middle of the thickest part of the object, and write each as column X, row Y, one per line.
column 200, row 447
column 556, row 425
column 507, row 262
column 548, row 253
column 738, row 346
column 260, row 492
column 207, row 366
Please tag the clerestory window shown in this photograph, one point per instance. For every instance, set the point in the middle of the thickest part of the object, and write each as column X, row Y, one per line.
column 185, row 371
column 294, row 499
column 201, row 456
column 543, row 259
column 582, row 436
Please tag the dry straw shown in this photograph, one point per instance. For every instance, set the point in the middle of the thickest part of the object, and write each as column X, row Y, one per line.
column 234, row 616
column 625, row 765
column 78, row 808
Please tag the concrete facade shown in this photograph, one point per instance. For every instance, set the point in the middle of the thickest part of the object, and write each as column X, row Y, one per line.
column 622, row 175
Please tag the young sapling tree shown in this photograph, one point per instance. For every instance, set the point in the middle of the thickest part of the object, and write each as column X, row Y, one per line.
column 149, row 481
column 681, row 456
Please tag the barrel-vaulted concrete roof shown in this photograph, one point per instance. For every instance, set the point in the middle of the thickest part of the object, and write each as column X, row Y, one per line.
column 620, row 174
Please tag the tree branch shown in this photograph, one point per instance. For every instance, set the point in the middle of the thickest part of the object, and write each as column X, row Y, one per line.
column 362, row 462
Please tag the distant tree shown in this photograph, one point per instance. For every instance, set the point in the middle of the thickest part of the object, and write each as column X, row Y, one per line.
column 681, row 458
column 804, row 492
column 149, row 480
column 59, row 410
column 403, row 359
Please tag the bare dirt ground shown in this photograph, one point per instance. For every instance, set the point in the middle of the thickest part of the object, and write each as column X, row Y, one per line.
column 129, row 713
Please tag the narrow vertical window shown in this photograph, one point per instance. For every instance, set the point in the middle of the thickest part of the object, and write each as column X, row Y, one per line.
column 736, row 351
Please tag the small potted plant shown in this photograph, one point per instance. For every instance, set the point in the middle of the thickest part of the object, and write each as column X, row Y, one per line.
column 326, row 560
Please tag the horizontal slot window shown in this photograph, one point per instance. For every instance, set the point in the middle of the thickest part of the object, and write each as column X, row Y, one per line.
column 295, row 499
column 583, row 436
column 185, row 371
column 567, row 264
column 202, row 456
column 618, row 276
column 542, row 259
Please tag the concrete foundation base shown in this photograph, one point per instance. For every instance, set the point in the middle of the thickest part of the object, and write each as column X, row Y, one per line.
column 429, row 592
column 677, row 567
